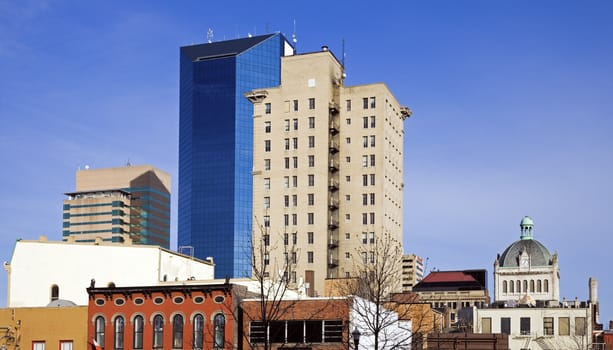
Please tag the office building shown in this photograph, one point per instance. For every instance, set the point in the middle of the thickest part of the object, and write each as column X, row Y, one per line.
column 327, row 169
column 216, row 145
column 412, row 271
column 118, row 204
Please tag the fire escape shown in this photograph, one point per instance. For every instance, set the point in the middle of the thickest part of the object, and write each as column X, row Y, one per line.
column 333, row 186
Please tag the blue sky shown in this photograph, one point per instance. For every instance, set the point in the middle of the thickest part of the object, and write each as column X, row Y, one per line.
column 512, row 102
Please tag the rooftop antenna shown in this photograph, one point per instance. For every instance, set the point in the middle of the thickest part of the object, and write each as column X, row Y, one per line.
column 294, row 38
column 128, row 162
column 209, row 35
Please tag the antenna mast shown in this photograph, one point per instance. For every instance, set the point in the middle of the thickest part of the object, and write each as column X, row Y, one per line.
column 209, row 35
column 294, row 38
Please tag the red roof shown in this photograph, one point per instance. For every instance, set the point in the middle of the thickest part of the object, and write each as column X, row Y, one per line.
column 448, row 276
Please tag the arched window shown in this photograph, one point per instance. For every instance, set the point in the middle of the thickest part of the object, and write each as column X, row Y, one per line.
column 99, row 336
column 538, row 286
column 198, row 332
column 546, row 286
column 504, row 287
column 158, row 332
column 511, row 287
column 138, row 332
column 525, row 286
column 220, row 326
column 531, row 286
column 119, row 333
column 518, row 286
column 177, row 332
column 55, row 292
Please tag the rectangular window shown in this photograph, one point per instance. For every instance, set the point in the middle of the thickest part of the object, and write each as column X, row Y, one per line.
column 311, row 141
column 268, row 108
column 372, row 199
column 364, row 257
column 311, row 199
column 295, row 161
column 294, row 258
column 348, row 105
column 372, row 102
column 364, row 237
column 285, row 239
column 347, row 197
column 347, row 178
column 310, row 218
column 347, row 235
column 364, row 161
column 364, row 199
column 580, row 326
column 295, row 181
column 505, row 325
column 365, row 141
column 348, row 159
column 364, row 218
column 286, row 144
column 348, row 121
column 548, row 325
column 295, row 103
column 372, row 179
column 311, row 161
column 372, row 257
column 364, row 180
column 563, row 326
column 267, row 183
column 67, row 345
column 266, row 164
column 372, row 218
column 286, row 181
column 365, row 122
column 310, row 238
column 266, row 259
column 348, row 140
column 294, row 200
column 311, row 180
column 266, row 220
column 267, row 127
column 311, row 122
column 286, row 125
column 295, row 121
column 365, row 102
column 294, row 219
column 347, row 255
column 266, row 239
column 372, row 160
column 286, row 162
column 286, row 200
column 311, row 103
column 371, row 237
column 524, row 325
column 38, row 345
column 286, row 219
column 372, row 140
column 310, row 257
column 266, row 202
column 372, row 121
column 294, row 238
column 486, row 325
column 267, row 145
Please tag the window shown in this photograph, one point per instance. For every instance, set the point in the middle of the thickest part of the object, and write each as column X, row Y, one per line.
column 310, row 238
column 364, row 161
column 365, row 102
column 531, row 286
column 311, row 103
column 158, row 332
column 295, row 161
column 372, row 102
column 286, row 219
column 294, row 258
column 364, row 180
column 364, row 199
column 311, row 122
column 119, row 325
column 347, row 255
column 266, row 202
column 310, row 218
column 266, row 220
column 348, row 105
column 511, row 287
column 365, row 122
column 348, row 121
column 285, row 239
column 372, row 160
column 311, row 161
column 348, row 197
column 198, row 332
column 295, row 181
column 295, row 122
column 347, row 217
column 364, row 258
column 372, row 179
column 505, row 325
column 267, row 145
column 55, row 292
column 563, row 326
column 548, row 325
column 347, row 178
column 286, row 125
column 580, row 326
column 504, row 287
column 286, row 181
column 311, row 180
column 372, row 121
column 294, row 219
column 286, row 144
column 294, row 238
column 372, row 199
column 372, row 140
column 266, row 239
column 294, row 200
column 268, row 108
column 364, row 219
column 347, row 235
column 99, row 329
column 348, row 159
column 486, row 325
column 286, row 201
column 295, row 103
column 38, row 345
column 365, row 141
column 137, row 342
column 372, row 257
column 286, row 162
column 546, row 286
column 525, row 286
column 219, row 323
column 177, row 332
column 66, row 345
column 266, row 259
column 267, row 183
column 266, row 164
column 524, row 325
column 310, row 257
column 372, row 218
column 539, row 288
column 364, row 237
column 371, row 236
column 311, row 199
column 267, row 127
column 311, row 141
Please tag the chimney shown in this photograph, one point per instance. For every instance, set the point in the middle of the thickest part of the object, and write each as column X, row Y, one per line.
column 593, row 284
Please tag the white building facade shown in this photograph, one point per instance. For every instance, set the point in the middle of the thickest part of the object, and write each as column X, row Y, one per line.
column 42, row 272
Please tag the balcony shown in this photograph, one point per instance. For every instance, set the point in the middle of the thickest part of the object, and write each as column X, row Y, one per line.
column 333, row 224
column 332, row 243
column 333, row 107
column 333, row 147
column 332, row 263
column 332, row 204
column 333, row 166
column 333, row 128
column 333, row 185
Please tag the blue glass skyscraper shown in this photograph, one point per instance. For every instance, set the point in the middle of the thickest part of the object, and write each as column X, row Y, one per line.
column 216, row 145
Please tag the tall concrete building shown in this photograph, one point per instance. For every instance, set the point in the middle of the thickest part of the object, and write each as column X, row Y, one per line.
column 327, row 169
column 412, row 271
column 117, row 204
column 216, row 145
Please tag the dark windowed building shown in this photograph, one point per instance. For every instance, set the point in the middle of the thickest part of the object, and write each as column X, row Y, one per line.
column 216, row 145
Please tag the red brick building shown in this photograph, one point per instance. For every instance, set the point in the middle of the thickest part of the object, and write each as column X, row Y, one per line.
column 163, row 317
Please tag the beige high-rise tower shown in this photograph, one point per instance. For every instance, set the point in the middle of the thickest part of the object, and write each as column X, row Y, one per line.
column 327, row 173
